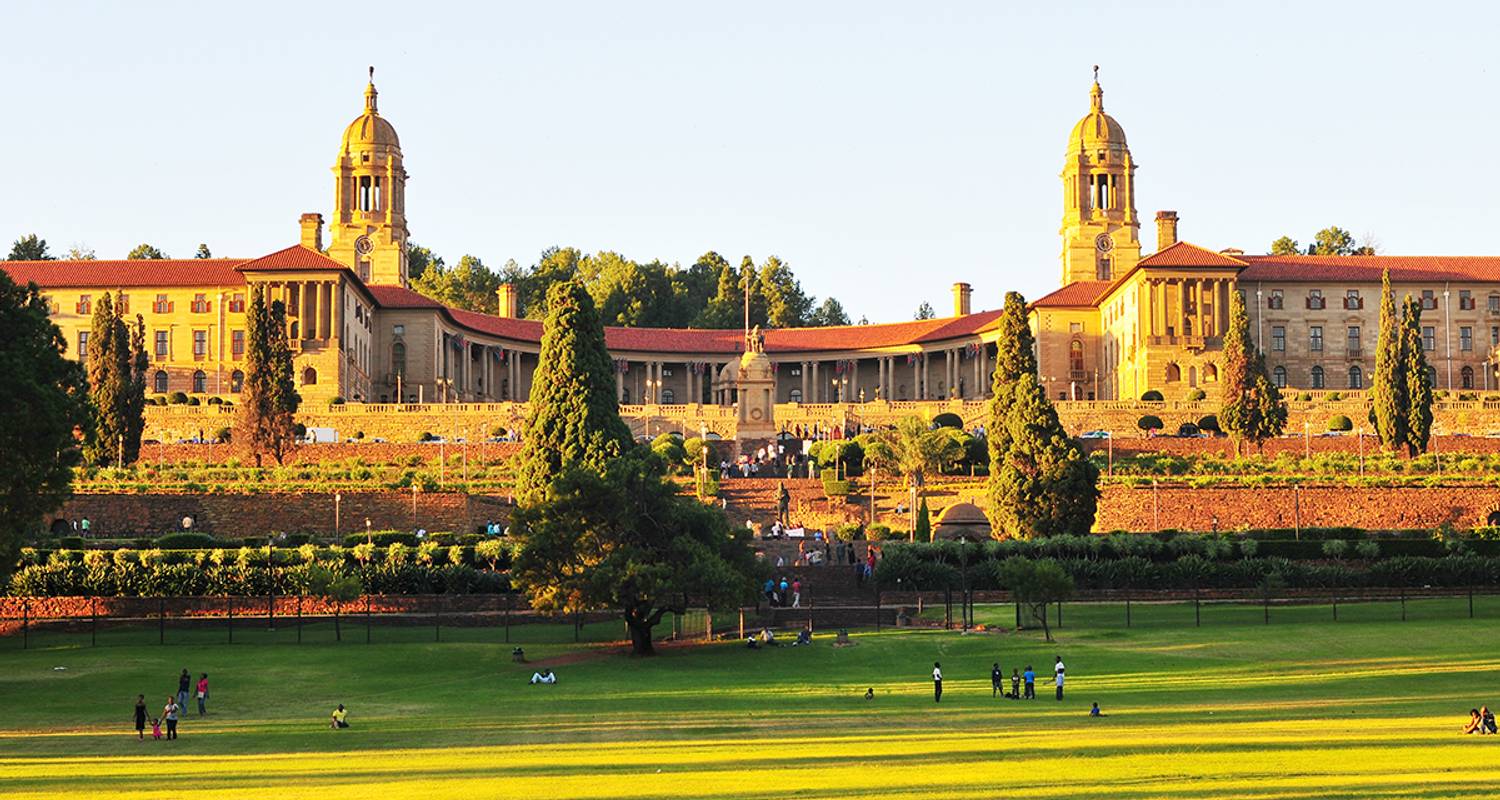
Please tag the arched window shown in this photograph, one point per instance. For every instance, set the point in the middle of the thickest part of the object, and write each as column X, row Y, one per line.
column 668, row 397
column 1356, row 377
column 1278, row 376
column 1317, row 377
column 1210, row 373
column 293, row 334
column 398, row 359
column 1174, row 373
column 1432, row 376
column 794, row 396
column 200, row 382
column 159, row 382
column 1075, row 356
column 309, row 376
column 237, row 381
column 1466, row 377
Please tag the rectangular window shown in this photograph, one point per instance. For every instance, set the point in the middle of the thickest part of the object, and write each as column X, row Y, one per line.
column 1315, row 299
column 1315, row 338
column 1352, row 301
column 200, row 345
column 1428, row 301
column 1495, row 336
column 85, row 304
column 1354, row 340
column 1466, row 339
column 83, row 345
column 162, row 346
column 1429, row 338
column 237, row 343
column 1465, row 300
column 162, row 305
column 1278, row 339
column 123, row 304
column 200, row 304
column 1275, row 300
column 237, row 303
column 1495, row 303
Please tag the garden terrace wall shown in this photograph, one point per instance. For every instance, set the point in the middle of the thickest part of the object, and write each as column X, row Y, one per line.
column 247, row 515
column 1288, row 445
column 372, row 452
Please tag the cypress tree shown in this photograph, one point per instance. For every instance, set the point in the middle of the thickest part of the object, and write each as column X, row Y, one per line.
column 1418, row 389
column 575, row 416
column 265, row 422
column 1388, row 392
column 1046, row 485
column 1252, row 408
column 923, row 531
column 107, row 364
column 1015, row 356
column 135, row 396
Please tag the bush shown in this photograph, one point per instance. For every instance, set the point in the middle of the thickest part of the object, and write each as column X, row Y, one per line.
column 70, row 542
column 850, row 532
column 1151, row 396
column 948, row 420
column 382, row 539
column 299, row 430
column 216, row 401
column 1209, row 423
column 185, row 540
column 1150, row 422
column 1334, row 397
column 1335, row 548
column 1197, row 394
column 157, row 400
column 359, row 435
column 223, row 435
column 177, row 398
column 1187, row 429
column 1339, row 422
column 194, row 401
column 336, row 401
column 426, row 436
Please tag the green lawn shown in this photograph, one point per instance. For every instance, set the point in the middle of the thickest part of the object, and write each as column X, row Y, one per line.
column 1363, row 708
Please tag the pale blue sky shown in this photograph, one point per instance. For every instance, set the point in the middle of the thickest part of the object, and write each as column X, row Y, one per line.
column 884, row 150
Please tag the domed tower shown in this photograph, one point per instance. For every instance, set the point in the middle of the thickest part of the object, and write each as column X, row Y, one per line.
column 1100, row 229
column 369, row 206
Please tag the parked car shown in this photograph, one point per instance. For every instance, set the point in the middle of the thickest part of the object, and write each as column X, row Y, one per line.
column 1094, row 435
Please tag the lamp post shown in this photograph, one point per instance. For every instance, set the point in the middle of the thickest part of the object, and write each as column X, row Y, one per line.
column 369, row 536
column 337, row 497
column 1306, row 439
column 963, row 601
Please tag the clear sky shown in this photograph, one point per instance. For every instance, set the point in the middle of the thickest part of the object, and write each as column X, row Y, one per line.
column 884, row 150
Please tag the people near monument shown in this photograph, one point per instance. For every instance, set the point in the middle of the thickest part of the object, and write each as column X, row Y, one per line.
column 997, row 680
column 339, row 718
column 169, row 713
column 783, row 502
column 782, row 589
column 937, row 682
column 140, row 717
column 546, row 676
column 202, row 694
column 184, row 685
column 1029, row 678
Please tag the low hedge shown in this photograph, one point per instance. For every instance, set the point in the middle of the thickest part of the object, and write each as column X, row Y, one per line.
column 186, row 540
column 382, row 538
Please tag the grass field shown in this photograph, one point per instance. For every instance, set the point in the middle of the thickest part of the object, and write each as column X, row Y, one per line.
column 1357, row 709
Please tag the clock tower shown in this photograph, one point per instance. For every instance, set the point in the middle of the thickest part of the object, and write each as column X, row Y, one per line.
column 1100, row 229
column 369, row 198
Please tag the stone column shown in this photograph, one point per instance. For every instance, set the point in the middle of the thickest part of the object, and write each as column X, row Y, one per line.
column 806, row 376
column 817, row 387
column 1199, row 293
column 338, row 313
column 619, row 380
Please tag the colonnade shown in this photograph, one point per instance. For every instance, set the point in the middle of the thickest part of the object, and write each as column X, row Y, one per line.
column 1186, row 307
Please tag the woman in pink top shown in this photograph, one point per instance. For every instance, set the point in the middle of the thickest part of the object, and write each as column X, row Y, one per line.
column 203, row 694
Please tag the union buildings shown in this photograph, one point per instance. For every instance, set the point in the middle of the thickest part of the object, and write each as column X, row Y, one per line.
column 1120, row 325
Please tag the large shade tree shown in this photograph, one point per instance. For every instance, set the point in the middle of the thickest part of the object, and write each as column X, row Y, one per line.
column 46, row 401
column 575, row 413
column 624, row 539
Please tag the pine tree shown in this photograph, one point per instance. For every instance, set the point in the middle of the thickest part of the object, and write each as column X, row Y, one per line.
column 923, row 530
column 1418, row 394
column 1045, row 485
column 106, row 368
column 135, row 397
column 575, row 416
column 1252, row 408
column 1388, row 393
column 1015, row 356
column 265, row 422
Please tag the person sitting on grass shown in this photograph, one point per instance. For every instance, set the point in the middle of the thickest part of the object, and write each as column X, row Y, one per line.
column 804, row 637
column 1476, row 722
column 751, row 643
column 1486, row 720
column 339, row 718
column 545, row 676
column 1095, row 712
column 870, row 693
column 767, row 637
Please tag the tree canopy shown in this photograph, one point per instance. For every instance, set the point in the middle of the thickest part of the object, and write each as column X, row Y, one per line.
column 144, row 252
column 1035, row 585
column 624, row 539
column 710, row 293
column 1041, row 484
column 29, row 248
column 203, row 252
column 116, row 367
column 575, row 413
column 45, row 401
column 1418, row 411
column 1331, row 241
column 1388, row 388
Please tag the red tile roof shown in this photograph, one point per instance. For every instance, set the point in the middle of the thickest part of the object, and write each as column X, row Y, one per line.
column 146, row 273
column 707, row 341
column 1075, row 294
column 294, row 258
column 1367, row 269
column 1186, row 254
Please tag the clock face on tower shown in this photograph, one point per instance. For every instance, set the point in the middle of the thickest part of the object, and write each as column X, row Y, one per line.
column 1104, row 243
column 363, row 245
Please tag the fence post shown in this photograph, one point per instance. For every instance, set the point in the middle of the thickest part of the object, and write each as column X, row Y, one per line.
column 25, row 622
column 1059, row 614
column 709, row 624
column 877, row 607
column 947, row 608
column 1266, row 604
column 437, row 626
column 161, row 620
column 231, row 619
column 299, row 619
column 742, row 623
column 94, row 622
column 367, row 619
column 1335, row 607
column 576, row 629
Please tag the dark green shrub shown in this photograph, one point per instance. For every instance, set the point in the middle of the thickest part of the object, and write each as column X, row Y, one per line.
column 1197, row 394
column 70, row 542
column 186, row 540
column 223, row 435
column 1151, row 396
column 336, row 401
column 1209, row 423
column 177, row 398
column 194, row 401
column 1339, row 422
column 299, row 430
column 1150, row 422
column 948, row 420
column 382, row 538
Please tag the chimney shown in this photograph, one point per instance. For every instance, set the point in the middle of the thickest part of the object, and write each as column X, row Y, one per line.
column 506, row 292
column 312, row 231
column 961, row 293
column 1166, row 229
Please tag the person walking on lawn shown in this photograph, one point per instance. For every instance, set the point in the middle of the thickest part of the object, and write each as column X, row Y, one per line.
column 184, row 685
column 937, row 682
column 203, row 694
column 140, row 717
column 997, row 680
column 1029, row 676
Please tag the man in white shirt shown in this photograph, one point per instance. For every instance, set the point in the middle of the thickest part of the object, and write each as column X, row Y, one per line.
column 937, row 682
column 1058, row 671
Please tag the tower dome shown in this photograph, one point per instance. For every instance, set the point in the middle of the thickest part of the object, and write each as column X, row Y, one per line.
column 369, row 128
column 1097, row 129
